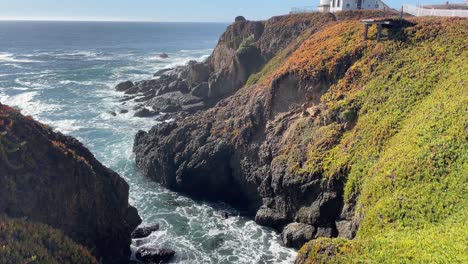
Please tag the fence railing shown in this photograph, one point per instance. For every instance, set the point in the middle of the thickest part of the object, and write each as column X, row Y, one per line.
column 419, row 11
column 304, row 9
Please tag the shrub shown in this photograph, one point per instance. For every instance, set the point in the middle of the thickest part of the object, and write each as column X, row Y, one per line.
column 26, row 242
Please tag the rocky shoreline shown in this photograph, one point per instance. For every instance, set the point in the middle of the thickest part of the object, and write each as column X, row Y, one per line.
column 225, row 149
column 233, row 148
column 243, row 50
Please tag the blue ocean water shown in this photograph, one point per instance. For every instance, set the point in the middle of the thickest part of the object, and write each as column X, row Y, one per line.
column 63, row 74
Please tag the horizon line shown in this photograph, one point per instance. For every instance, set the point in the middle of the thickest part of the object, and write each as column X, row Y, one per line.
column 112, row 21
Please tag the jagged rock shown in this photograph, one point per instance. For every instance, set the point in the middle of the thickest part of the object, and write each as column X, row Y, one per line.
column 192, row 108
column 112, row 113
column 53, row 179
column 124, row 86
column 132, row 90
column 137, row 107
column 145, row 112
column 231, row 152
column 153, row 255
column 127, row 98
column 123, row 111
column 147, row 86
column 144, row 231
column 325, row 232
column 170, row 108
column 175, row 86
column 268, row 217
column 161, row 72
column 163, row 56
column 201, row 90
column 240, row 19
column 296, row 234
column 198, row 73
column 173, row 101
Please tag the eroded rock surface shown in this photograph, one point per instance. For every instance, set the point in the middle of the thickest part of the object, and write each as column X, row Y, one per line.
column 242, row 50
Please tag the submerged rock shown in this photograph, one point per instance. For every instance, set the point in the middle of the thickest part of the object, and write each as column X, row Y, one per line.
column 163, row 55
column 144, row 231
column 154, row 255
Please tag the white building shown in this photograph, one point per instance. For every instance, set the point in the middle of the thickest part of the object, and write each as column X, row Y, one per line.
column 343, row 5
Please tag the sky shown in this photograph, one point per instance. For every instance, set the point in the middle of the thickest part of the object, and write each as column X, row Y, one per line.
column 157, row 10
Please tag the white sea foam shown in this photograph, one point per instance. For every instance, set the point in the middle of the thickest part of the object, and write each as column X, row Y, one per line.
column 66, row 126
column 86, row 83
column 9, row 57
column 27, row 82
column 14, row 65
column 27, row 104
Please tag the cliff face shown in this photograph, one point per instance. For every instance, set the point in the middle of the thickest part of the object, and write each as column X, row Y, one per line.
column 51, row 178
column 243, row 50
column 336, row 137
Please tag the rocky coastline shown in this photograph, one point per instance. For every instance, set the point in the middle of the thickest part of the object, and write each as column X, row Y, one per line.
column 224, row 148
column 277, row 102
column 351, row 149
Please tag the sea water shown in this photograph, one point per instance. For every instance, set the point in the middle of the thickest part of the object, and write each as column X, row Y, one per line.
column 63, row 74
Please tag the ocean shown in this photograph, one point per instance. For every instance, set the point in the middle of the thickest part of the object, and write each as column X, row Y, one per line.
column 64, row 73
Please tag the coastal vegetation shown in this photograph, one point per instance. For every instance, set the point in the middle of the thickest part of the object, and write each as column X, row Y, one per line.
column 26, row 242
column 356, row 149
column 58, row 204
column 361, row 143
column 405, row 156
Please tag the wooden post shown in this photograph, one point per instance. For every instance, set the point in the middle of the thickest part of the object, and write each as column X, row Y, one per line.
column 379, row 31
column 366, row 29
column 401, row 13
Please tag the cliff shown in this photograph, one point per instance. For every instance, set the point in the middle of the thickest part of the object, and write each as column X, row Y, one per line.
column 50, row 178
column 357, row 145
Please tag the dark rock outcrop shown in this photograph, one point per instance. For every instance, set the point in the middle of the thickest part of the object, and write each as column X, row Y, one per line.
column 124, row 86
column 144, row 231
column 240, row 19
column 242, row 50
column 296, row 234
column 51, row 178
column 233, row 151
column 153, row 255
column 145, row 112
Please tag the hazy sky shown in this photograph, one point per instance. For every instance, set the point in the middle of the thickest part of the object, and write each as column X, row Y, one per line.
column 156, row 10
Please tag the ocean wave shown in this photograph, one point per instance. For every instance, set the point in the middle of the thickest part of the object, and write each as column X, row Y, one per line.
column 58, row 53
column 204, row 51
column 14, row 65
column 85, row 83
column 27, row 104
column 184, row 60
column 69, row 55
column 10, row 57
column 26, row 82
column 66, row 126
